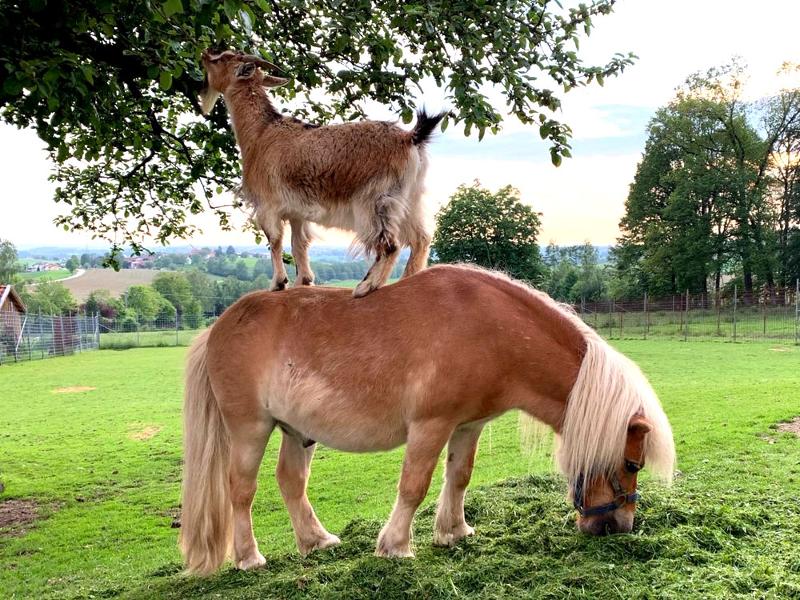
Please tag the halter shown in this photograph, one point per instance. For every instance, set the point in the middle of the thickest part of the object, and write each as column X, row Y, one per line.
column 621, row 497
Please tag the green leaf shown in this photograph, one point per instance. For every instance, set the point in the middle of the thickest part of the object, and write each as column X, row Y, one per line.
column 172, row 7
column 165, row 80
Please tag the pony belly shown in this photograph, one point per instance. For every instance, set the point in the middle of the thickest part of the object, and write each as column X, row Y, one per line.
column 350, row 424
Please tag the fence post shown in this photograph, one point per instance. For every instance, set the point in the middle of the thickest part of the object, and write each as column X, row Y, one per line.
column 735, row 302
column 686, row 324
column 646, row 317
column 176, row 326
column 797, row 311
column 718, row 302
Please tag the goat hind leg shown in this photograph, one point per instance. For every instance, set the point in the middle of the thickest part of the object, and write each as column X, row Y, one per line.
column 379, row 272
column 420, row 249
column 294, row 467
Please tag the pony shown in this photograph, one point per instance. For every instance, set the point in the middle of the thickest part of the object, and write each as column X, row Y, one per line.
column 425, row 362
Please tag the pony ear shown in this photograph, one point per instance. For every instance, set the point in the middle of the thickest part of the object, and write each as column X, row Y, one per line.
column 639, row 425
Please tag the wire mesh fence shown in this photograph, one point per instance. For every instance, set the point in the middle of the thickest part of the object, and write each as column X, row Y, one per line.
column 773, row 315
column 31, row 337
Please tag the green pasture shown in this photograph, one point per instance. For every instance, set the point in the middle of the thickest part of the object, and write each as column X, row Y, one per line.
column 103, row 467
column 39, row 276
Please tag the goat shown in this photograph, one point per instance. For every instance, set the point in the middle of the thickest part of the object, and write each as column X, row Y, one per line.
column 366, row 177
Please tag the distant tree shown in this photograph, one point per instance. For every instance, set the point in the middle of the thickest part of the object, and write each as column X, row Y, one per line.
column 494, row 230
column 202, row 287
column 100, row 302
column 573, row 273
column 49, row 298
column 145, row 301
column 87, row 260
column 176, row 289
column 230, row 251
column 72, row 264
column 242, row 271
column 8, row 262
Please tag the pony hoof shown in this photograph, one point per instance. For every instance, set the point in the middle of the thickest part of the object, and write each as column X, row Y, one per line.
column 387, row 549
column 252, row 562
column 326, row 542
column 451, row 538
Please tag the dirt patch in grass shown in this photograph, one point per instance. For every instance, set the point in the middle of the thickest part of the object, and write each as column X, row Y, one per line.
column 781, row 349
column 16, row 516
column 792, row 426
column 146, row 433
column 75, row 389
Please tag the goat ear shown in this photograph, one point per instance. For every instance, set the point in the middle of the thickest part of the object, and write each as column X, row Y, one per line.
column 245, row 70
column 271, row 82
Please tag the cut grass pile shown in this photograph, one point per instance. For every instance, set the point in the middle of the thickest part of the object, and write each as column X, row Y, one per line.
column 103, row 467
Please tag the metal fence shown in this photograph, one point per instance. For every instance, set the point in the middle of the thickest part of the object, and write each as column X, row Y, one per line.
column 773, row 315
column 770, row 316
column 32, row 336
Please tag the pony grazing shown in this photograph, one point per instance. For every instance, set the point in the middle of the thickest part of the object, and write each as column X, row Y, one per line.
column 427, row 362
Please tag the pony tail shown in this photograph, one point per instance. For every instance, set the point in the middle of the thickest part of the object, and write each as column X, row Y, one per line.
column 206, row 515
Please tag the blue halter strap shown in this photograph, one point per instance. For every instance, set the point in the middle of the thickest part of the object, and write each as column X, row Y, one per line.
column 621, row 497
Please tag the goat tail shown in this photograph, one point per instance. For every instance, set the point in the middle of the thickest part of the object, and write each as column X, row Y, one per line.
column 421, row 134
column 206, row 514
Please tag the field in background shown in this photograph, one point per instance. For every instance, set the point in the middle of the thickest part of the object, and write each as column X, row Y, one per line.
column 39, row 276
column 103, row 466
column 115, row 282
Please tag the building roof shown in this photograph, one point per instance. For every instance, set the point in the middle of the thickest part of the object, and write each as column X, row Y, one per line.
column 7, row 293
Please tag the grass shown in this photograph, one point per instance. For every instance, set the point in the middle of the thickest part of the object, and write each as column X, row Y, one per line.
column 40, row 276
column 729, row 527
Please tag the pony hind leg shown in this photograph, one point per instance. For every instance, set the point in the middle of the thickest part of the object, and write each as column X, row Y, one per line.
column 425, row 443
column 294, row 467
column 248, row 441
column 451, row 526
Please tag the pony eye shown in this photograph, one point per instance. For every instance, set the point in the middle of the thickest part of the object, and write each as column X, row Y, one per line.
column 632, row 467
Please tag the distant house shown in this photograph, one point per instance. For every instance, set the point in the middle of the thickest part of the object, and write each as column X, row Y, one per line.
column 12, row 314
column 45, row 266
column 137, row 262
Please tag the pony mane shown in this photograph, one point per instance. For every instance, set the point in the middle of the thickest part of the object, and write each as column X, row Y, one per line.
column 609, row 390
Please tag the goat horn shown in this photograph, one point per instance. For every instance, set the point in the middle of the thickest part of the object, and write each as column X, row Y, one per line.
column 261, row 62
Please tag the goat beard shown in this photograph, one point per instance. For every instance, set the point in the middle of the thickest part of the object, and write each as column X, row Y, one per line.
column 208, row 98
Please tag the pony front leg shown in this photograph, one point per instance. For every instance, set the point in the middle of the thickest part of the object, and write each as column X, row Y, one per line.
column 451, row 525
column 425, row 443
column 294, row 467
column 301, row 240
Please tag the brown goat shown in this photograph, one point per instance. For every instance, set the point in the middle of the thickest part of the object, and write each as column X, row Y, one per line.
column 365, row 177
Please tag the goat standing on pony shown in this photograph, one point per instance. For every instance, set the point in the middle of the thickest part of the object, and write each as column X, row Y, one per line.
column 393, row 368
column 365, row 177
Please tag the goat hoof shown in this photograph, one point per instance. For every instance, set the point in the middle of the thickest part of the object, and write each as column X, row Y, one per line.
column 278, row 286
column 303, row 281
column 363, row 288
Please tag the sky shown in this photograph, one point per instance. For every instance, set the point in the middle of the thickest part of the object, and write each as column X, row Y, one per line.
column 583, row 199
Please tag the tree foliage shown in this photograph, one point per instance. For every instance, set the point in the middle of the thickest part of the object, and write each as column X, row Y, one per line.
column 8, row 262
column 703, row 201
column 494, row 230
column 111, row 87
column 574, row 273
column 49, row 298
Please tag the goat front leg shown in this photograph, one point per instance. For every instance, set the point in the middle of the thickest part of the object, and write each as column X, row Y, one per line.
column 272, row 225
column 425, row 443
column 301, row 240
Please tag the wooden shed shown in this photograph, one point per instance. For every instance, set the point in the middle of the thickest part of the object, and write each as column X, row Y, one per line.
column 12, row 316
